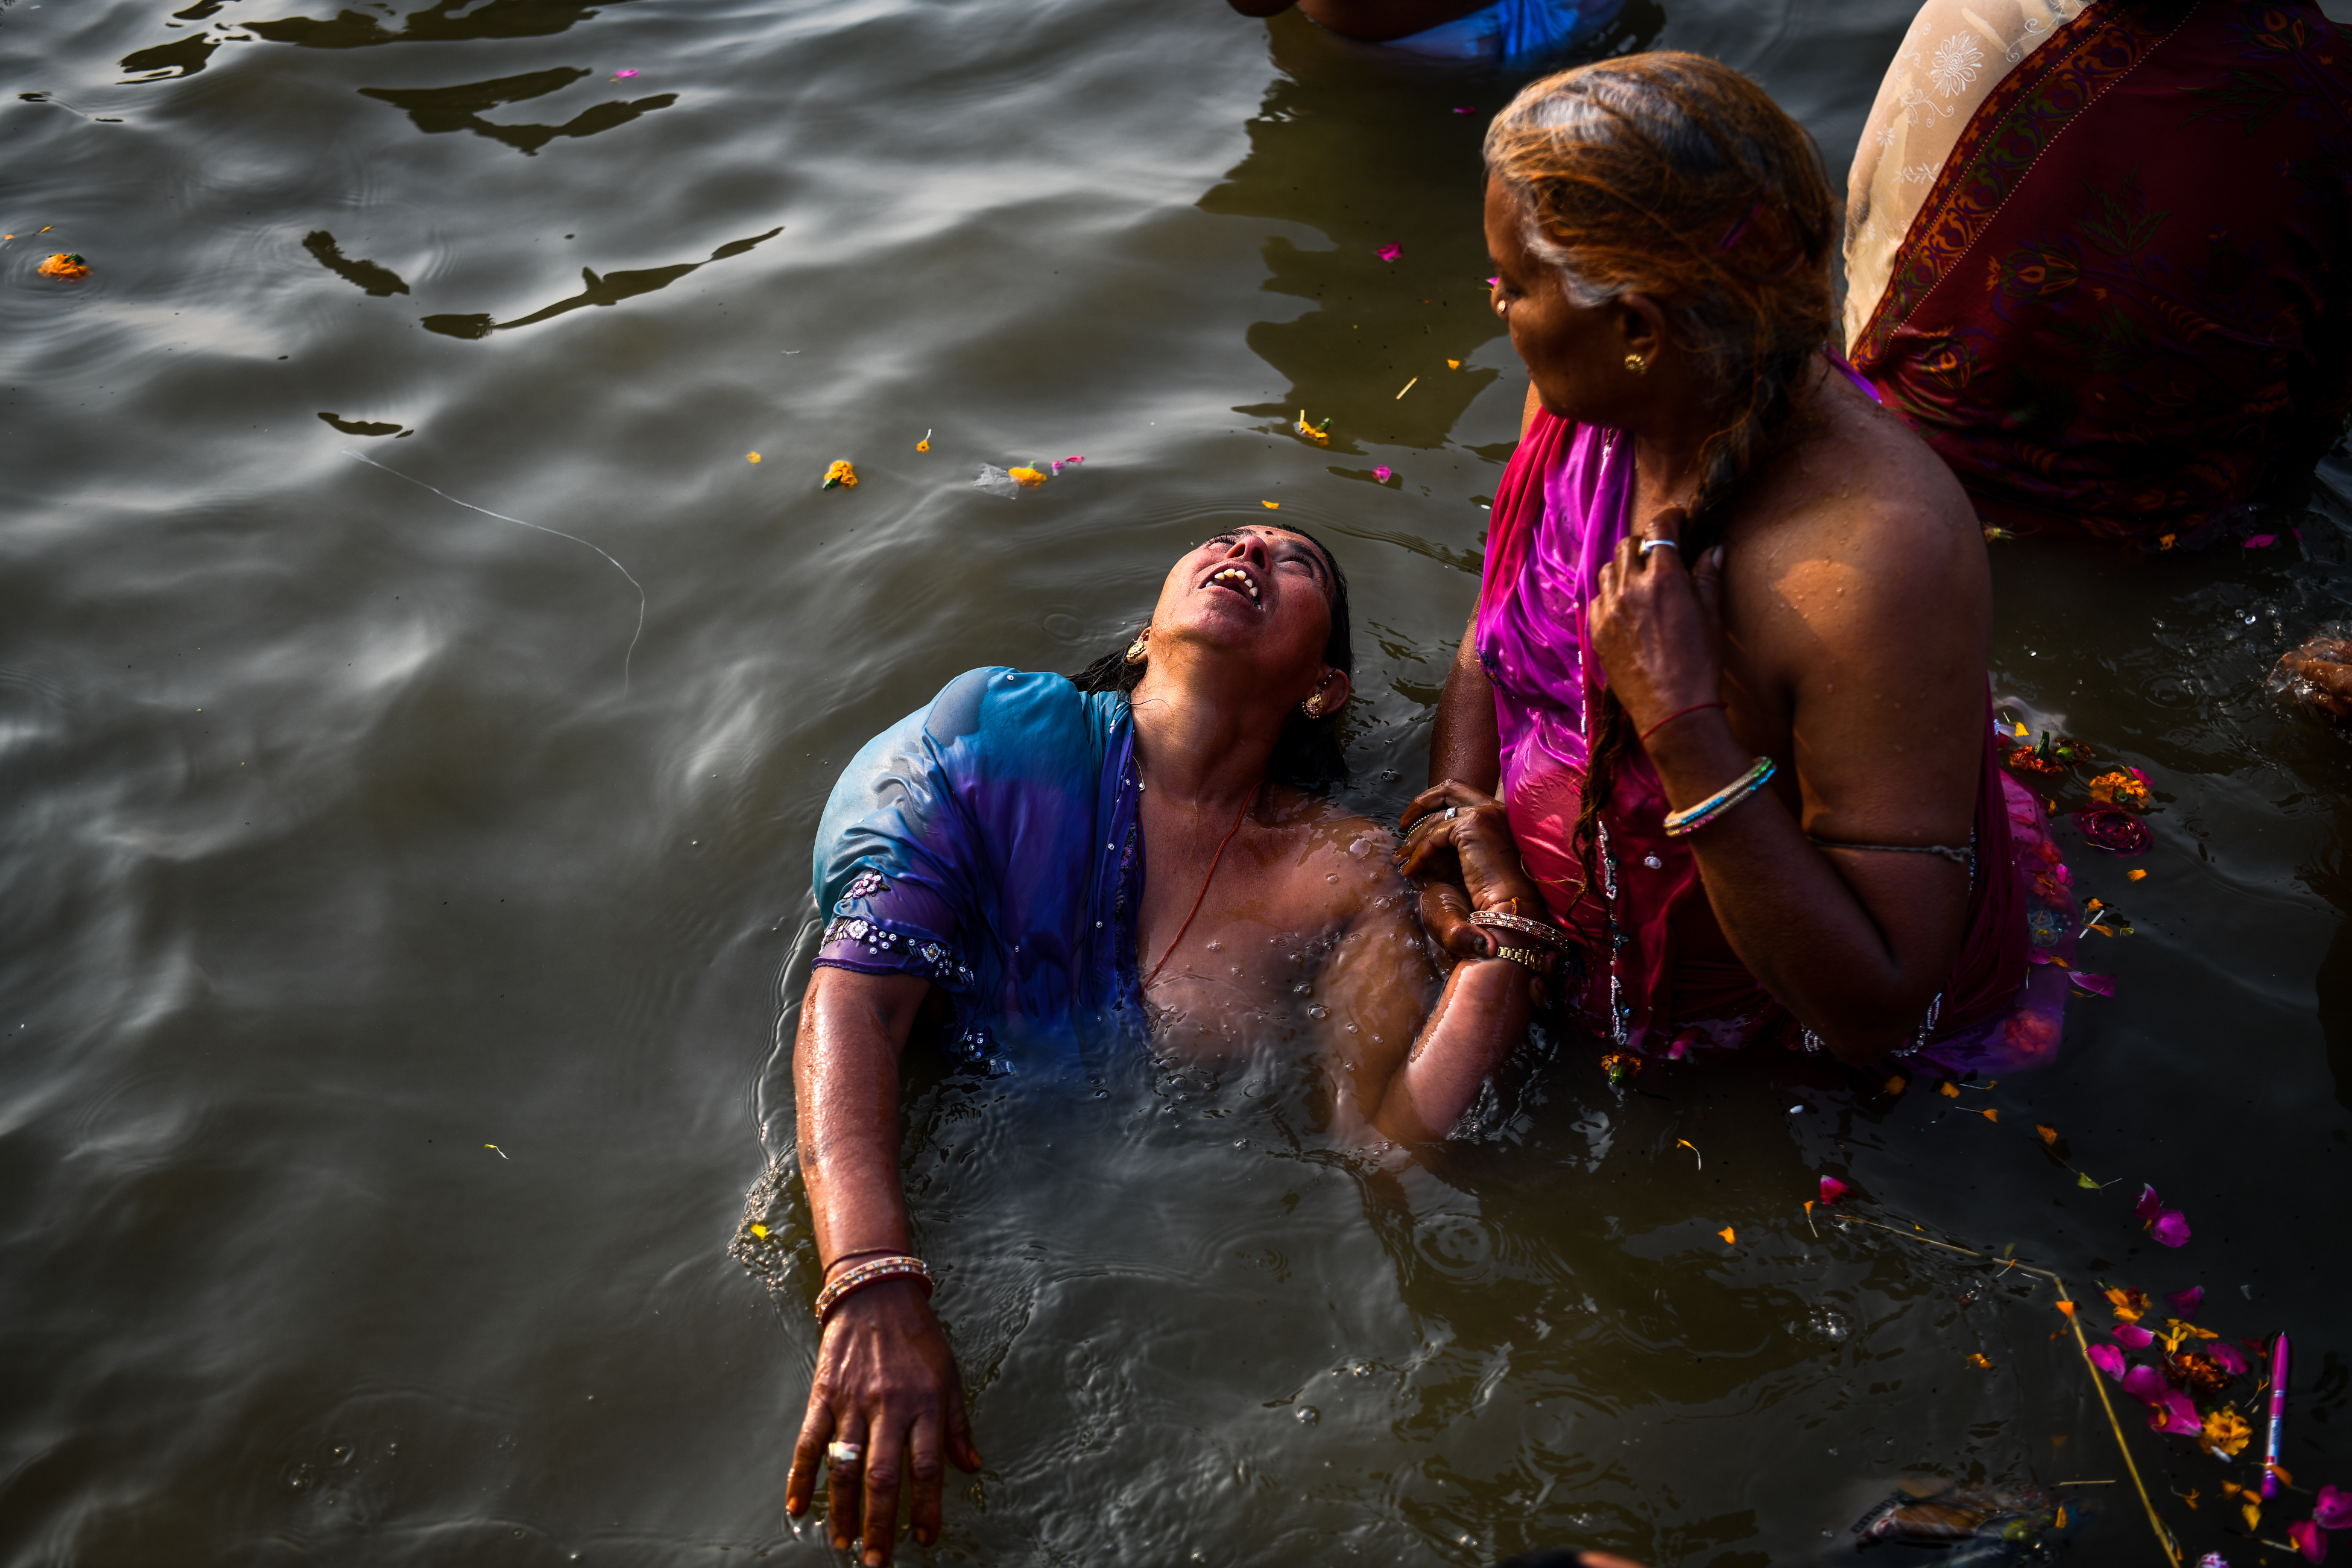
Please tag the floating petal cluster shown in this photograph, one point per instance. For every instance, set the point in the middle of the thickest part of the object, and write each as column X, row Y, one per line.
column 64, row 264
column 840, row 476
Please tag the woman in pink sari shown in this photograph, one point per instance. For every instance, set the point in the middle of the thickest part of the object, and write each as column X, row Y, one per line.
column 1728, row 671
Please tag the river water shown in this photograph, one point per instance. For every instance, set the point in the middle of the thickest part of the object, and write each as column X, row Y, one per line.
column 414, row 710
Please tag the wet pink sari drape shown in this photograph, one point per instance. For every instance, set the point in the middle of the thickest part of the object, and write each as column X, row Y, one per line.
column 1565, row 501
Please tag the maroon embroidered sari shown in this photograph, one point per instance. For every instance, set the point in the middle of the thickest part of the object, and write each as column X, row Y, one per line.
column 2125, row 305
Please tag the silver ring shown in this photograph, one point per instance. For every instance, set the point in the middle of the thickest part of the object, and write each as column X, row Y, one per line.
column 1650, row 544
column 839, row 1454
column 1452, row 812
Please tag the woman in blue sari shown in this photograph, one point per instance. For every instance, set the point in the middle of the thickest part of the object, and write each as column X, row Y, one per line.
column 1108, row 855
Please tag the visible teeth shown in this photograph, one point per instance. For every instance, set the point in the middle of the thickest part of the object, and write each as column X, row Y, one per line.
column 1236, row 574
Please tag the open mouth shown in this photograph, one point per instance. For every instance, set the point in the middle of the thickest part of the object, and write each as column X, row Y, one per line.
column 1237, row 579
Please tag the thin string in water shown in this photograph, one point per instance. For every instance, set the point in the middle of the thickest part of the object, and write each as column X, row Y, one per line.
column 559, row 533
column 1198, row 897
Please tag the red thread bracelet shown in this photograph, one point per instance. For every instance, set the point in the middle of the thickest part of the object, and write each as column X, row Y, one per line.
column 1694, row 707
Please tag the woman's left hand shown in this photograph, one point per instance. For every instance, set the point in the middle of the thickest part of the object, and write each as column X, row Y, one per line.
column 1657, row 626
column 1453, row 819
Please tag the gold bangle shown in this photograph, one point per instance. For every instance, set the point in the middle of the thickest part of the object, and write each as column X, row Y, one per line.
column 1527, row 956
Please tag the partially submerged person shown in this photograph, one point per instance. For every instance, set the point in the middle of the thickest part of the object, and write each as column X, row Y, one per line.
column 1134, row 854
column 1729, row 665
column 1503, row 34
column 2100, row 256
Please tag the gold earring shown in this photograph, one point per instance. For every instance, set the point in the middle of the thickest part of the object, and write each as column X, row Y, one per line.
column 1637, row 365
column 1140, row 648
column 1313, row 706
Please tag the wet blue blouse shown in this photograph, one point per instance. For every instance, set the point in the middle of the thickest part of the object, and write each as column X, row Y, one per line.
column 988, row 843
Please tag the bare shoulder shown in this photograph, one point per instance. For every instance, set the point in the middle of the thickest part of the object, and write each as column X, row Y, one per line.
column 1860, row 530
column 1337, row 861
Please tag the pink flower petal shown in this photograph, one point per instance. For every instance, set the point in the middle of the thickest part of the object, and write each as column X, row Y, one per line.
column 2144, row 1209
column 1382, row 472
column 2177, row 1414
column 2109, row 1360
column 2131, row 1336
column 1468, row 109
column 1390, row 252
column 2097, row 984
column 2263, row 541
column 1833, row 1189
column 2334, row 1510
column 1495, row 282
column 2145, row 1385
column 2171, row 1227
column 2309, row 1540
column 2225, row 1356
column 2184, row 1303
column 2212, row 1560
column 618, row 75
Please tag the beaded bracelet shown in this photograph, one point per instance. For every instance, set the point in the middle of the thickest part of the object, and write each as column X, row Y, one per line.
column 1680, row 823
column 894, row 1267
column 1550, row 936
column 1527, row 957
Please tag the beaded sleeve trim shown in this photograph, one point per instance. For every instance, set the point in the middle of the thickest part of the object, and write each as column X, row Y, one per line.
column 934, row 960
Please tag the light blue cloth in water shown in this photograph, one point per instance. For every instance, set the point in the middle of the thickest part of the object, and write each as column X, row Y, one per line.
column 988, row 843
column 1512, row 32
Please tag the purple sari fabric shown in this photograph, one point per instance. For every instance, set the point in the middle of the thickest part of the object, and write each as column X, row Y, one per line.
column 1565, row 502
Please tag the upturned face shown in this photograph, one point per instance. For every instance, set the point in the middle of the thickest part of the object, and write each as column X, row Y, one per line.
column 1263, row 591
column 1575, row 354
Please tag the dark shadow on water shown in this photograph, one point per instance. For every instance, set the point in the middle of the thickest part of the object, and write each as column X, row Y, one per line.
column 610, row 289
column 381, row 281
column 460, row 108
column 434, row 24
column 1371, row 148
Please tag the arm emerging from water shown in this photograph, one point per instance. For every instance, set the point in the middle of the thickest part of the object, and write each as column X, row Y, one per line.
column 1407, row 1076
column 886, row 1379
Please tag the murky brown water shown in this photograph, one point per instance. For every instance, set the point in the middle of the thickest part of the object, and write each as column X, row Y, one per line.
column 403, row 899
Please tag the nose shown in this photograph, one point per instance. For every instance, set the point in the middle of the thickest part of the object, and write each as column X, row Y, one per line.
column 1250, row 548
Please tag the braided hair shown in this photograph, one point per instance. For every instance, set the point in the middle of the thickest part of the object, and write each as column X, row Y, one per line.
column 1675, row 176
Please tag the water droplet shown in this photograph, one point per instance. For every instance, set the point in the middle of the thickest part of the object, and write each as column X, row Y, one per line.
column 1318, row 1011
column 1216, row 947
column 1308, row 1416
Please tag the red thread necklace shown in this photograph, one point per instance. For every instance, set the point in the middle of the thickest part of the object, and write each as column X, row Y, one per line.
column 1200, row 897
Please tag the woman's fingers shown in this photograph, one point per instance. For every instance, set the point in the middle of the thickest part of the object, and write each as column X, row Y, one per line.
column 844, row 1487
column 1445, row 916
column 884, row 1456
column 808, row 1453
column 929, row 1473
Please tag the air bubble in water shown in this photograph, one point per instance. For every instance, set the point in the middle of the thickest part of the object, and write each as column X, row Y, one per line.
column 1308, row 1416
column 1318, row 1011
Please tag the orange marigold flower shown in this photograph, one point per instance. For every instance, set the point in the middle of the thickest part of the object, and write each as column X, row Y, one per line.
column 2123, row 789
column 64, row 265
column 2227, row 1432
column 840, row 476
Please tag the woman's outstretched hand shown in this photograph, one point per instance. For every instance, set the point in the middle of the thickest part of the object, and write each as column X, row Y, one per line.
column 1657, row 625
column 1451, row 822
column 886, row 1381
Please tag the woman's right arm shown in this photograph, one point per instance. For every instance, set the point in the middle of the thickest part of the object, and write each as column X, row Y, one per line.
column 884, row 1378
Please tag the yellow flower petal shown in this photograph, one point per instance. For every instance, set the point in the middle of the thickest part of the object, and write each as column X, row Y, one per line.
column 751, row 457
column 1728, row 1239
column 1271, row 505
